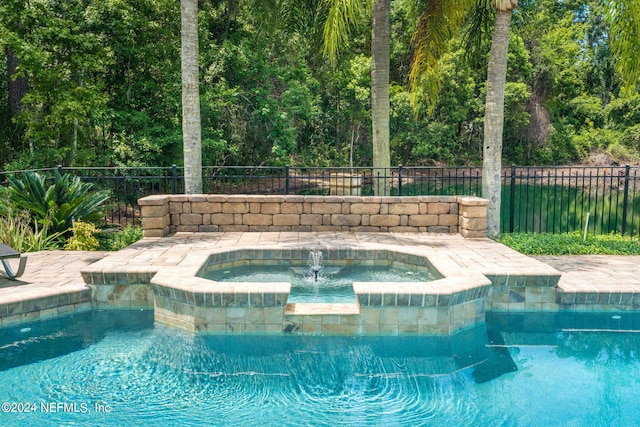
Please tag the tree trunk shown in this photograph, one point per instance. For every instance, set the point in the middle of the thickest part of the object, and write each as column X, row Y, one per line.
column 17, row 88
column 494, row 120
column 380, row 47
column 191, row 132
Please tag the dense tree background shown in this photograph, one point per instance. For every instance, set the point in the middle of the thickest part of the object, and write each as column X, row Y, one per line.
column 92, row 83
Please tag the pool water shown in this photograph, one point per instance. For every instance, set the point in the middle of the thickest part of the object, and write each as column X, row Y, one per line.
column 333, row 284
column 117, row 368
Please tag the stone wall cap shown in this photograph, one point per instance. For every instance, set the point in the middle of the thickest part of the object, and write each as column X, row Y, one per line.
column 472, row 201
column 155, row 200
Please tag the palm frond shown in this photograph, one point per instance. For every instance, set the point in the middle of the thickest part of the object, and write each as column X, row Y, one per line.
column 341, row 18
column 623, row 19
column 438, row 23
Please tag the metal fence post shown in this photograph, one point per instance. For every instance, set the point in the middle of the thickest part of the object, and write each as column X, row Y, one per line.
column 625, row 198
column 286, row 180
column 512, row 199
column 174, row 179
column 399, row 180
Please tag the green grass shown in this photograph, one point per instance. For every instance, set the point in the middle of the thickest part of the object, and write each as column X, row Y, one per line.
column 571, row 244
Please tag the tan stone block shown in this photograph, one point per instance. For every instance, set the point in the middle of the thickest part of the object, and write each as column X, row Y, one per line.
column 364, row 208
column 326, row 219
column 234, row 227
column 403, row 229
column 206, row 207
column 423, row 220
column 472, row 234
column 365, row 220
column 270, row 208
column 448, row 219
column 190, row 219
column 287, row 227
column 254, row 207
column 175, row 208
column 384, row 209
column 472, row 201
column 222, row 219
column 384, row 220
column 348, row 220
column 475, row 224
column 153, row 211
column 186, row 207
column 453, row 208
column 473, row 211
column 154, row 232
column 235, row 207
column 257, row 219
column 237, row 219
column 187, row 228
column 404, row 209
column 326, row 208
column 217, row 198
column 156, row 200
column 310, row 219
column 155, row 222
column 286, row 219
column 206, row 219
column 438, row 208
column 439, row 229
column 404, row 220
column 291, row 208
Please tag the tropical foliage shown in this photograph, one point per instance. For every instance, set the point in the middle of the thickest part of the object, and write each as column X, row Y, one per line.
column 90, row 83
column 57, row 205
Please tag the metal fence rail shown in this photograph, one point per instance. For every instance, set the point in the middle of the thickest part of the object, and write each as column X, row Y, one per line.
column 534, row 199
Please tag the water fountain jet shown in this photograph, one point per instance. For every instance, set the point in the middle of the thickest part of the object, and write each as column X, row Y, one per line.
column 315, row 263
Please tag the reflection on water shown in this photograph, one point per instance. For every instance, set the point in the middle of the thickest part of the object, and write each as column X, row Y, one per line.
column 515, row 370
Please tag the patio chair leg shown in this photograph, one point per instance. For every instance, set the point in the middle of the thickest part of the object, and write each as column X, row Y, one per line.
column 9, row 270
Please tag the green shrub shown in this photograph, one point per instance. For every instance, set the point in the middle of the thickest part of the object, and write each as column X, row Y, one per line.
column 114, row 240
column 18, row 232
column 83, row 238
column 571, row 244
column 59, row 204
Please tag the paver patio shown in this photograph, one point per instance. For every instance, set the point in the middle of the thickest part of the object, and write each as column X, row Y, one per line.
column 53, row 285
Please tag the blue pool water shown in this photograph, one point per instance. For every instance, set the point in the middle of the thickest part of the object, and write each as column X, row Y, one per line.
column 333, row 284
column 114, row 369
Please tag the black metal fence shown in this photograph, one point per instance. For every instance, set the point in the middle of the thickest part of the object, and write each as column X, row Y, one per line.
column 534, row 199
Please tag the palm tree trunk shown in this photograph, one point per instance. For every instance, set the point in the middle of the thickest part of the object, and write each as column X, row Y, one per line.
column 191, row 132
column 494, row 120
column 380, row 47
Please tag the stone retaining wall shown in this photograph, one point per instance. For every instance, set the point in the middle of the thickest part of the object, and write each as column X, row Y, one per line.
column 165, row 214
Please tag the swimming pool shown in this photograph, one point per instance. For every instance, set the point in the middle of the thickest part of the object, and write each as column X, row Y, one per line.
column 118, row 368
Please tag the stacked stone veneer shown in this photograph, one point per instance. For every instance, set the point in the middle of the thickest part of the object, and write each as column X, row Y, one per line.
column 166, row 214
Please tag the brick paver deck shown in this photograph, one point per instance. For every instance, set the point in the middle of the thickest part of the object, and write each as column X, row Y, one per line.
column 52, row 282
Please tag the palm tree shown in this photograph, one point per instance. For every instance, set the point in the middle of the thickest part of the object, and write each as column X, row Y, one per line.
column 191, row 130
column 494, row 114
column 342, row 15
